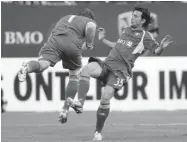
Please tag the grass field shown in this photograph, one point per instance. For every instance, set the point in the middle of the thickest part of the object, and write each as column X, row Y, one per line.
column 161, row 126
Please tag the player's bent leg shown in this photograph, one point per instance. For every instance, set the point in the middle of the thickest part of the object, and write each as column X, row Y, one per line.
column 70, row 93
column 72, row 86
column 103, row 111
column 92, row 69
column 32, row 66
column 44, row 64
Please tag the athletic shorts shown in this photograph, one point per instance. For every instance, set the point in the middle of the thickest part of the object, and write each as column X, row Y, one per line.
column 108, row 76
column 62, row 47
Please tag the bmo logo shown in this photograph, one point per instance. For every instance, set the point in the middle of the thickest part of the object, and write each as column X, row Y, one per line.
column 27, row 37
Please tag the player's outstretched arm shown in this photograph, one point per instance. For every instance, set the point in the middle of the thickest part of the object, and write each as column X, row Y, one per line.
column 101, row 37
column 90, row 34
column 109, row 43
column 163, row 44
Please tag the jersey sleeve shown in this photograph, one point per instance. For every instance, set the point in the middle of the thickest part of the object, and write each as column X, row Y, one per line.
column 87, row 20
column 150, row 43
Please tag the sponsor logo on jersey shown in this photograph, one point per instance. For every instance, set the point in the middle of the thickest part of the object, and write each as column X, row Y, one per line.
column 122, row 41
column 128, row 43
column 137, row 34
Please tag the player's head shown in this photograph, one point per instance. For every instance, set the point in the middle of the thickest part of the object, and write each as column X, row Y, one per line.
column 140, row 17
column 87, row 13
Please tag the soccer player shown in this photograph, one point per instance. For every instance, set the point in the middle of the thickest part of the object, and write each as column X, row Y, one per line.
column 71, row 35
column 116, row 69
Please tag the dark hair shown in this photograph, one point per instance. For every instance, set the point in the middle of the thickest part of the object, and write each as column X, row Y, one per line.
column 87, row 13
column 145, row 15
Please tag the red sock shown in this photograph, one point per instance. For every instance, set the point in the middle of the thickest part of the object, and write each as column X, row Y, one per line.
column 84, row 85
column 71, row 89
column 102, row 114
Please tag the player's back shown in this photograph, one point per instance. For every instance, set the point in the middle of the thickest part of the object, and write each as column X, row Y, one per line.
column 71, row 24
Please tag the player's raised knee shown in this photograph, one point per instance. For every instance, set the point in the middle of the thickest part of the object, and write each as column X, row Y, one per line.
column 92, row 69
column 74, row 74
column 43, row 65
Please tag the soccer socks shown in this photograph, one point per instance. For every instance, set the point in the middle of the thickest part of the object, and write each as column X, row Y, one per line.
column 33, row 66
column 84, row 85
column 102, row 114
column 71, row 89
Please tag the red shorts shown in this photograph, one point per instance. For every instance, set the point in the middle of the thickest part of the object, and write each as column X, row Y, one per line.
column 109, row 77
column 62, row 47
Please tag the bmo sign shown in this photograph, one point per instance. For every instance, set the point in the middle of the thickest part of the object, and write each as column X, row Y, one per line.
column 28, row 37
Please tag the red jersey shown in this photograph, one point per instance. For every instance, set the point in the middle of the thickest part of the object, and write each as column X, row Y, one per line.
column 130, row 45
column 72, row 24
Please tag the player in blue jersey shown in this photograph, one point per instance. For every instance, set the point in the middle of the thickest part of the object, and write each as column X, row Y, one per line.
column 116, row 69
column 71, row 35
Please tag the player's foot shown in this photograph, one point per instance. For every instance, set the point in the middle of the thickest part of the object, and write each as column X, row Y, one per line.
column 98, row 136
column 63, row 116
column 76, row 105
column 22, row 74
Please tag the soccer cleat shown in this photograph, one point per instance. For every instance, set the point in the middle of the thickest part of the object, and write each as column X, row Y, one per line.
column 98, row 136
column 63, row 116
column 22, row 74
column 76, row 105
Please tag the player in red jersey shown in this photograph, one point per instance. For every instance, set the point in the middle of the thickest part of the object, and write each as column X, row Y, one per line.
column 115, row 70
column 71, row 35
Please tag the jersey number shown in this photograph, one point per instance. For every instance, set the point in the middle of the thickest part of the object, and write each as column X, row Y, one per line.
column 119, row 82
column 71, row 18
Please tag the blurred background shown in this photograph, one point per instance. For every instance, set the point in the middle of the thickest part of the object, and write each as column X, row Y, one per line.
column 158, row 83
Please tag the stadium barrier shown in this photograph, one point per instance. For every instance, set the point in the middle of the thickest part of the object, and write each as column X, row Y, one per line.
column 157, row 84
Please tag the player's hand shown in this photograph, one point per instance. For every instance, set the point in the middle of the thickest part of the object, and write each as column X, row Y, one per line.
column 166, row 41
column 101, row 33
column 87, row 46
